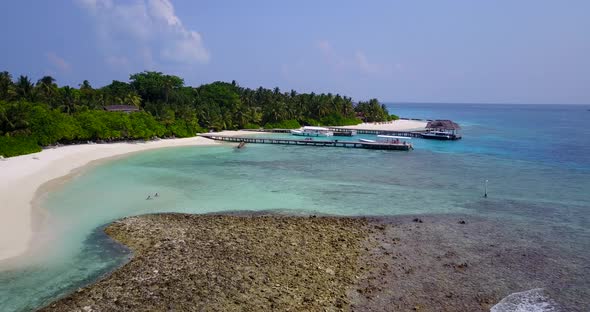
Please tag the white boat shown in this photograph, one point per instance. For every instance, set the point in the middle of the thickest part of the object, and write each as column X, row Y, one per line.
column 313, row 132
column 440, row 135
column 392, row 139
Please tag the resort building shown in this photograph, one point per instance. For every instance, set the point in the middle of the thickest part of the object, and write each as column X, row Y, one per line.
column 121, row 108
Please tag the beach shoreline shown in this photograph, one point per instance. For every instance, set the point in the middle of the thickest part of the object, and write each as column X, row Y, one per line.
column 24, row 178
column 27, row 178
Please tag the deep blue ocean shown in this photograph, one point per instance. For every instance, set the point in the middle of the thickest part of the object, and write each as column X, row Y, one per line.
column 536, row 159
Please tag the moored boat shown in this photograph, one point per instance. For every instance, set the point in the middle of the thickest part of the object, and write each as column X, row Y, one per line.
column 394, row 139
column 389, row 140
column 441, row 130
column 345, row 133
column 440, row 135
column 313, row 132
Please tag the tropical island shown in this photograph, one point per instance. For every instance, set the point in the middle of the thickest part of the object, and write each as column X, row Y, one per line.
column 250, row 260
column 165, row 155
column 156, row 105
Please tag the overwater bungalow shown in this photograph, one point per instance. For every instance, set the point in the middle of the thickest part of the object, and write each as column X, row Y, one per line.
column 442, row 130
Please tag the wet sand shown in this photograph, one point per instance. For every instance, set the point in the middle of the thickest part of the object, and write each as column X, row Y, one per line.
column 260, row 262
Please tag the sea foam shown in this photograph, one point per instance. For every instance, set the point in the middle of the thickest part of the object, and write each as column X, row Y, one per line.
column 533, row 300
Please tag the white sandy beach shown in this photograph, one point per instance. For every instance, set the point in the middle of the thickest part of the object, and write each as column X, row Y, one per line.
column 21, row 176
column 396, row 125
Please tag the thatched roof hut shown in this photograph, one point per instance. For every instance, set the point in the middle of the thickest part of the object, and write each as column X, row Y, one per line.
column 442, row 125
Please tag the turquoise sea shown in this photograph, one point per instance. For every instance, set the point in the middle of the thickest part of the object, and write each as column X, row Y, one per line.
column 535, row 157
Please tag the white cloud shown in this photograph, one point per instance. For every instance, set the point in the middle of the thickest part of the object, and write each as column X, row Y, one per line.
column 164, row 11
column 144, row 31
column 188, row 47
column 94, row 4
column 58, row 62
column 358, row 62
column 365, row 66
column 330, row 56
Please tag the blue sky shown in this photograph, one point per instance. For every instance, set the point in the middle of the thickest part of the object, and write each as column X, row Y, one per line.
column 504, row 51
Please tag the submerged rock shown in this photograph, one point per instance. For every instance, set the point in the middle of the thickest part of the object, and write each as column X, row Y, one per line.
column 228, row 263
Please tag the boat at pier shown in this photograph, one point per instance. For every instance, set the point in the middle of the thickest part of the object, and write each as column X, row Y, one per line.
column 441, row 130
column 345, row 133
column 387, row 139
column 313, row 132
column 440, row 135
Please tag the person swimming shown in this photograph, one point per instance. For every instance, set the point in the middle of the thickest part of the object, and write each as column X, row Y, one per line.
column 149, row 197
column 156, row 195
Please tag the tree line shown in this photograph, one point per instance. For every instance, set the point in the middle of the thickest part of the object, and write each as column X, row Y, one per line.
column 42, row 113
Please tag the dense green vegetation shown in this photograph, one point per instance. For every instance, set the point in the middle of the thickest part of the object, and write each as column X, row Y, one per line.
column 10, row 146
column 43, row 113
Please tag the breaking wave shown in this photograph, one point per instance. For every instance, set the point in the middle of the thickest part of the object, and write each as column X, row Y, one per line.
column 533, row 300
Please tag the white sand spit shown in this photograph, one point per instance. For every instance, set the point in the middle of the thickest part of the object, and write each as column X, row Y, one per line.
column 21, row 176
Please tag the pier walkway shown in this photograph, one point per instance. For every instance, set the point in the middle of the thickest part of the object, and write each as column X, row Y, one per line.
column 308, row 142
column 408, row 134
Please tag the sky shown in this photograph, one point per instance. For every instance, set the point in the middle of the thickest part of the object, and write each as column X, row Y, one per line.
column 455, row 51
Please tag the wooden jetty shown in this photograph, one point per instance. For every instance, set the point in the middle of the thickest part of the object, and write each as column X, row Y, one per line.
column 351, row 132
column 269, row 130
column 408, row 134
column 308, row 142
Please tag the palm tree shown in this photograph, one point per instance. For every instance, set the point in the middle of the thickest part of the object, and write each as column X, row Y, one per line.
column 85, row 85
column 322, row 106
column 132, row 99
column 47, row 88
column 6, row 86
column 88, row 96
column 15, row 117
column 276, row 111
column 168, row 85
column 46, row 80
column 24, row 88
column 69, row 97
column 101, row 99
